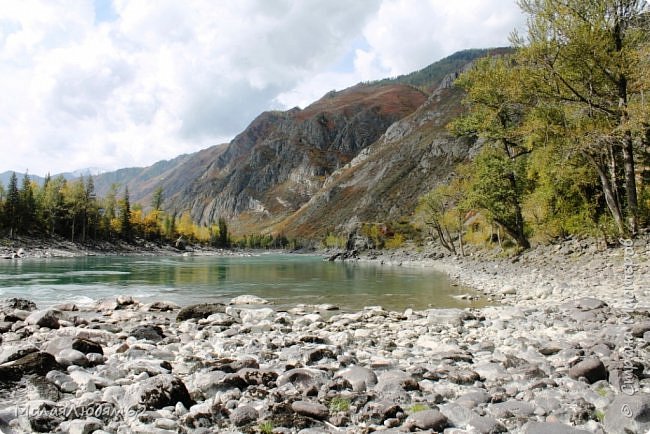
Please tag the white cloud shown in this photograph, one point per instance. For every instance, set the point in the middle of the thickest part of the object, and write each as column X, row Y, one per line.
column 162, row 78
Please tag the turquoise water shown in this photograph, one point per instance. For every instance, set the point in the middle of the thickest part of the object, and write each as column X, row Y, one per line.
column 286, row 280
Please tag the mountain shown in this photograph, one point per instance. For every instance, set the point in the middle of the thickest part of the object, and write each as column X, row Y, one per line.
column 385, row 181
column 365, row 153
column 5, row 176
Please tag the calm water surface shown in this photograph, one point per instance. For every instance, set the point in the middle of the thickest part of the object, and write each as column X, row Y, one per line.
column 286, row 280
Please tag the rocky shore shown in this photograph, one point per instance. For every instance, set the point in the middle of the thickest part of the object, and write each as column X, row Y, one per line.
column 30, row 248
column 564, row 351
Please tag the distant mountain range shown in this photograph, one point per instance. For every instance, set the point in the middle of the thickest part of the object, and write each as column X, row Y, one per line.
column 365, row 153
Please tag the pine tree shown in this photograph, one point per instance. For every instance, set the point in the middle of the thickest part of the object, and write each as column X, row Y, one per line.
column 126, row 226
column 12, row 206
column 27, row 205
column 223, row 240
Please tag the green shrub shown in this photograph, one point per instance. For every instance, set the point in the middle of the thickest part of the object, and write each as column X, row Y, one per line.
column 415, row 408
column 339, row 403
column 395, row 242
column 266, row 427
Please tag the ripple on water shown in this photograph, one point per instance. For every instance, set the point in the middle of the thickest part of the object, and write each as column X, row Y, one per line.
column 96, row 273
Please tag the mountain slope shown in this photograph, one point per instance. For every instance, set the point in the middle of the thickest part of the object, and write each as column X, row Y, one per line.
column 282, row 158
column 362, row 154
column 385, row 180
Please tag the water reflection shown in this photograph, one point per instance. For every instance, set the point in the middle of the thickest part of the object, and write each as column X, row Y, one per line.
column 285, row 279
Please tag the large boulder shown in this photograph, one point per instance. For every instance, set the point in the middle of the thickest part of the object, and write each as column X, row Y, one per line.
column 157, row 392
column 9, row 353
column 310, row 409
column 303, row 377
column 592, row 369
column 87, row 346
column 200, row 311
column 34, row 363
column 360, row 378
column 427, row 419
column 44, row 318
column 243, row 415
column 147, row 332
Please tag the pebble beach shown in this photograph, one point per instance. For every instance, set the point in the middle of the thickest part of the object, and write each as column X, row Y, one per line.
column 562, row 349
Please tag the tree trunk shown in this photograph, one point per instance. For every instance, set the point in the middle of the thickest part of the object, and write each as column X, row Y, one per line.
column 516, row 234
column 630, row 183
column 608, row 191
column 460, row 235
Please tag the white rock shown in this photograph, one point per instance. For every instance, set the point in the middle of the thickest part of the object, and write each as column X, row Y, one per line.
column 249, row 299
column 254, row 316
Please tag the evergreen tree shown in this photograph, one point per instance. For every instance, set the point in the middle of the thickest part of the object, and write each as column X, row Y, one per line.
column 27, row 205
column 126, row 227
column 223, row 239
column 12, row 206
column 157, row 199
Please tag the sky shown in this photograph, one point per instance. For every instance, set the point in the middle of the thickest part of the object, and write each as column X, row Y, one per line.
column 107, row 84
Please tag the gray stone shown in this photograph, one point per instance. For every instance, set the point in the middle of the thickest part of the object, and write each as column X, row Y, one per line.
column 476, row 396
column 310, row 409
column 34, row 363
column 10, row 353
column 304, row 377
column 44, row 318
column 69, row 357
column 158, row 392
column 249, row 299
column 162, row 306
column 360, row 378
column 551, row 428
column 85, row 426
column 628, row 414
column 453, row 317
column 147, row 332
column 243, row 415
column 485, row 425
column 254, row 316
column 512, row 408
column 199, row 311
column 63, row 381
column 87, row 346
column 9, row 304
column 428, row 419
column 592, row 369
column 379, row 411
column 640, row 328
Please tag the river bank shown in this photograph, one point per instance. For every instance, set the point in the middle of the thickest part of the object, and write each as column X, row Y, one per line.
column 34, row 248
column 567, row 351
column 555, row 273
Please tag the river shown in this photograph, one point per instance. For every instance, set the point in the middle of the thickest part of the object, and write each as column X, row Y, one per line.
column 286, row 280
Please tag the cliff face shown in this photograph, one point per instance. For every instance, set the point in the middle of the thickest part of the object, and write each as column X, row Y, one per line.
column 386, row 179
column 366, row 153
column 277, row 164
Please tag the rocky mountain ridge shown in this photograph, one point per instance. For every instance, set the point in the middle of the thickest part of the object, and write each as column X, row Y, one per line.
column 365, row 153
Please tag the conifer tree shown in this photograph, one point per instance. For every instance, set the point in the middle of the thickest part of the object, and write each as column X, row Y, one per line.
column 125, row 217
column 12, row 206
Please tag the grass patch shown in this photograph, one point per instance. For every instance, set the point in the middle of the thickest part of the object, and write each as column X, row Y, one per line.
column 602, row 392
column 266, row 427
column 339, row 404
column 417, row 408
column 599, row 415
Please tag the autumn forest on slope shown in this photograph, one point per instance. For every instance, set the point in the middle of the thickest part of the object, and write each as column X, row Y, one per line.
column 532, row 143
